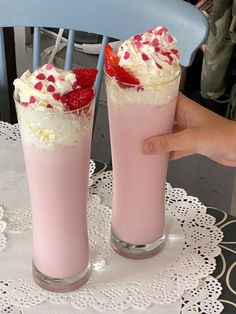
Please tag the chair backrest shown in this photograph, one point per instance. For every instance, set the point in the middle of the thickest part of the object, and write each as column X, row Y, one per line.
column 110, row 18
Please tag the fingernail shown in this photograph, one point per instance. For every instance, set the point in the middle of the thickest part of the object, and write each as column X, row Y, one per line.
column 148, row 148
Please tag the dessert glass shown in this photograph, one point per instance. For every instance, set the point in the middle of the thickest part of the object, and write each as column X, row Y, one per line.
column 56, row 149
column 138, row 204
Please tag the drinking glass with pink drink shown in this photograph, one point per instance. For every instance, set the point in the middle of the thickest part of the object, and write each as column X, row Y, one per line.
column 142, row 83
column 55, row 117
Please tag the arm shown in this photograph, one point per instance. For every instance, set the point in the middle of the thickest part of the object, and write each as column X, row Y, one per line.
column 197, row 130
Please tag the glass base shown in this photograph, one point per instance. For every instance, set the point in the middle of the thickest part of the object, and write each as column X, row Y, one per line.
column 61, row 284
column 136, row 251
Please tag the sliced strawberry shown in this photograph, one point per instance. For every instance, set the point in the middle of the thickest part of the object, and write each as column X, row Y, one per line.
column 114, row 69
column 85, row 77
column 111, row 60
column 79, row 98
column 126, row 77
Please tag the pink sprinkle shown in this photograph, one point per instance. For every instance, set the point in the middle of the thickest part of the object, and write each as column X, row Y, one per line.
column 126, row 55
column 138, row 44
column 32, row 100
column 61, row 78
column 164, row 53
column 157, row 49
column 170, row 39
column 40, row 76
column 74, row 85
column 150, row 31
column 49, row 106
column 24, row 104
column 155, row 42
column 137, row 37
column 49, row 66
column 51, row 88
column 56, row 96
column 175, row 51
column 167, row 54
column 38, row 86
column 144, row 57
column 51, row 78
column 158, row 65
column 162, row 30
column 147, row 42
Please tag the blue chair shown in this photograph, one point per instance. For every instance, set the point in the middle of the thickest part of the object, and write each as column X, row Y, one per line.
column 111, row 18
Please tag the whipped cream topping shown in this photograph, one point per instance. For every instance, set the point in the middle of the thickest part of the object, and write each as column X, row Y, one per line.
column 44, row 88
column 55, row 130
column 152, row 57
column 44, row 121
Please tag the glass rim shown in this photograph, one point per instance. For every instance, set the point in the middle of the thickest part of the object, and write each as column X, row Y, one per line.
column 145, row 86
column 53, row 112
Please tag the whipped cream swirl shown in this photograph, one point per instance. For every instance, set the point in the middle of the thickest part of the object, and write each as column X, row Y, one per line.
column 152, row 57
column 44, row 120
column 44, row 88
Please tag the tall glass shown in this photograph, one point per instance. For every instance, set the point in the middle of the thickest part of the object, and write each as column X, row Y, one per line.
column 138, row 206
column 56, row 148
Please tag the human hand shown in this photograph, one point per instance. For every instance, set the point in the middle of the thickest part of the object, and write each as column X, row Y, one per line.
column 197, row 130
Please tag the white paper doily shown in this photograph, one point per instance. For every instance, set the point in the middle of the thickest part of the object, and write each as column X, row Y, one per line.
column 116, row 283
column 3, row 225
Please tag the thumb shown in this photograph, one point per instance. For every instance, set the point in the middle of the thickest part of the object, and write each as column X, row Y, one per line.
column 180, row 141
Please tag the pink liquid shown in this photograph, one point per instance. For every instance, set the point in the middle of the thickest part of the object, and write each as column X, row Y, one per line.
column 58, row 183
column 138, row 214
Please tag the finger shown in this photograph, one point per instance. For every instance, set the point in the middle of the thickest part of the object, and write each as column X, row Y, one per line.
column 179, row 154
column 180, row 141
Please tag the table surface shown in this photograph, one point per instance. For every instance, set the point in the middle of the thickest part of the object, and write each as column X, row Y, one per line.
column 226, row 263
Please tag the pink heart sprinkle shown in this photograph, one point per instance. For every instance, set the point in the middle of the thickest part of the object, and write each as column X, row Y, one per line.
column 175, row 51
column 49, row 66
column 38, row 86
column 155, row 42
column 170, row 39
column 61, row 78
column 126, row 55
column 159, row 66
column 40, row 76
column 32, row 100
column 138, row 44
column 137, row 37
column 56, row 96
column 162, row 30
column 51, row 88
column 49, row 106
column 170, row 58
column 24, row 104
column 144, row 57
column 51, row 78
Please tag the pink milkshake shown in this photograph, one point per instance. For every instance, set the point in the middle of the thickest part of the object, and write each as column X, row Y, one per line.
column 56, row 141
column 138, row 110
